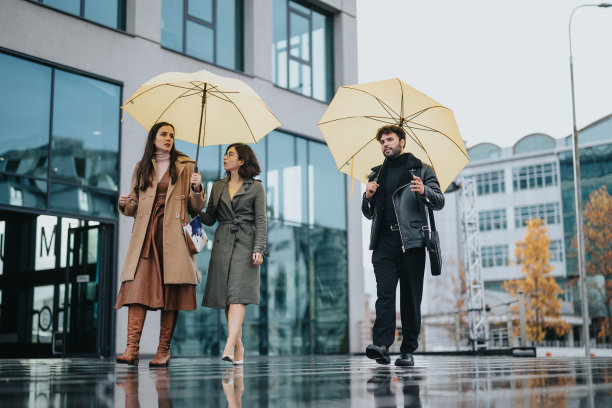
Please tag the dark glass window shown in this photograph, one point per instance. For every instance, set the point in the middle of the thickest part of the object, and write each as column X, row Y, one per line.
column 210, row 30
column 80, row 117
column 302, row 50
column 25, row 109
column 326, row 189
column 85, row 141
column 110, row 13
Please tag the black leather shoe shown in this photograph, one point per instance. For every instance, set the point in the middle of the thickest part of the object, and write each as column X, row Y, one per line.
column 378, row 353
column 405, row 360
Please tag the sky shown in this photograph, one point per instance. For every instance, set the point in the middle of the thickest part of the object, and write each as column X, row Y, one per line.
column 501, row 66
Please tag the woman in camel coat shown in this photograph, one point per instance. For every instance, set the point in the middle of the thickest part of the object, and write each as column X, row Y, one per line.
column 159, row 273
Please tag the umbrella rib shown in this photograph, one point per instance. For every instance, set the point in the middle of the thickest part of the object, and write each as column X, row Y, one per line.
column 355, row 154
column 416, row 139
column 238, row 109
column 375, row 118
column 386, row 107
column 429, row 129
column 169, row 105
column 155, row 87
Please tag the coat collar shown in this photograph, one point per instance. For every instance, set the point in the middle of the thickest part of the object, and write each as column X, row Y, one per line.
column 246, row 184
column 179, row 165
column 412, row 166
column 412, row 163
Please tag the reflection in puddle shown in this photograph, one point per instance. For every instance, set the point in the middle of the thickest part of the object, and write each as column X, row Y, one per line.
column 388, row 385
column 233, row 386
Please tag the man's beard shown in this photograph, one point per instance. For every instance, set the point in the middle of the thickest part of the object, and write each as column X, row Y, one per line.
column 393, row 153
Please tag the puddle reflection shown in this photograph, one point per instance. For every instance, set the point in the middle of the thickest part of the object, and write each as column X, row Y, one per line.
column 386, row 383
column 233, row 386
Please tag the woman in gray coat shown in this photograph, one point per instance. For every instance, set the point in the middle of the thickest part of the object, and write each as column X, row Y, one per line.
column 238, row 202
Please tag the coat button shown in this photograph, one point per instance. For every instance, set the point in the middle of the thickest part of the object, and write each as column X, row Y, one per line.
column 140, row 214
column 142, row 197
column 237, row 239
column 176, row 198
column 177, row 215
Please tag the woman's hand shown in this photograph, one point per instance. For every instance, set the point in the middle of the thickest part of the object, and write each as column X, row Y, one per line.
column 124, row 200
column 257, row 258
column 196, row 182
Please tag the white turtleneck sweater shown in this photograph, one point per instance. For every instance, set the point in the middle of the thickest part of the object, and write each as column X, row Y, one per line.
column 163, row 162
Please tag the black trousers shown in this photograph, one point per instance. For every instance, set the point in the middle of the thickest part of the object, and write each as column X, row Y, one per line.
column 391, row 265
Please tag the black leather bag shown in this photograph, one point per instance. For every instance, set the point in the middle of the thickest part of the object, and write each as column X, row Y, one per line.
column 432, row 242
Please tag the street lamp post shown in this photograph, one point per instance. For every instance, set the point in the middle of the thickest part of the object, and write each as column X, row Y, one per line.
column 578, row 197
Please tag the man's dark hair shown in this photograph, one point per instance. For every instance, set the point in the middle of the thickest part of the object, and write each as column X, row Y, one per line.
column 250, row 168
column 385, row 130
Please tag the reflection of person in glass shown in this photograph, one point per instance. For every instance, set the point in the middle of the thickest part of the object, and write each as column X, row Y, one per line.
column 395, row 201
column 238, row 202
column 159, row 273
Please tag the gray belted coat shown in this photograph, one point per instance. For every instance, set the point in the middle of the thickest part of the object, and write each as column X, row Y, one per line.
column 242, row 230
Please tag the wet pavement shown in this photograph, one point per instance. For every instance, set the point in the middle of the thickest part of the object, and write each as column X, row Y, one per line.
column 309, row 381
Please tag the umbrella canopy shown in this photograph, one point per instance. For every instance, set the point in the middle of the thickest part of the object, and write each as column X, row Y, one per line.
column 350, row 123
column 204, row 108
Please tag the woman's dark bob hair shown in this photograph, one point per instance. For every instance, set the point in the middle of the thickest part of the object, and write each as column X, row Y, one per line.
column 250, row 168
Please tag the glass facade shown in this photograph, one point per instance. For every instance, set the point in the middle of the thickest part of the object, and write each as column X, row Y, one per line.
column 556, row 251
column 61, row 152
column 484, row 151
column 549, row 212
column 595, row 171
column 304, row 283
column 600, row 131
column 110, row 13
column 490, row 183
column 536, row 176
column 494, row 256
column 533, row 143
column 492, row 220
column 302, row 50
column 210, row 30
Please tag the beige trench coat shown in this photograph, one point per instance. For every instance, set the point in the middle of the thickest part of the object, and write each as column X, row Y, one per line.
column 179, row 265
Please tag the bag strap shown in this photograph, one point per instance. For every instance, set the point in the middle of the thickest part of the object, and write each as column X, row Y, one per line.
column 431, row 220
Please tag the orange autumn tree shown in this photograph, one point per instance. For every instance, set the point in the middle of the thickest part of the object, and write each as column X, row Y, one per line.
column 598, row 248
column 542, row 303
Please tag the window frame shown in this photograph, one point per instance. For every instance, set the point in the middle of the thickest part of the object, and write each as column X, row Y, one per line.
column 239, row 66
column 329, row 52
column 52, row 181
column 122, row 17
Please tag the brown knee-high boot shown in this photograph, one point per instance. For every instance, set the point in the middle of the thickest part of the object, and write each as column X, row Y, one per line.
column 136, row 319
column 166, row 329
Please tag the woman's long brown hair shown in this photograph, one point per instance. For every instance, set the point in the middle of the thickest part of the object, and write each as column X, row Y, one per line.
column 145, row 169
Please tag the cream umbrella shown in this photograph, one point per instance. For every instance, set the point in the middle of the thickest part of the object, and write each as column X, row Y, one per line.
column 204, row 108
column 350, row 123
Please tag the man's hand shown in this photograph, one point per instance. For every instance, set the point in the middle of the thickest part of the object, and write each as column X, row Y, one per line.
column 371, row 188
column 417, row 185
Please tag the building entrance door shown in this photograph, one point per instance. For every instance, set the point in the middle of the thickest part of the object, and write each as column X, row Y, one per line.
column 56, row 286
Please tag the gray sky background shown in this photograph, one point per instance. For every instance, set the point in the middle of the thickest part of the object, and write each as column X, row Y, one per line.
column 502, row 66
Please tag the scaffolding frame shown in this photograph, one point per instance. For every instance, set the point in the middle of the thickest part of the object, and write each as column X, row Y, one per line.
column 475, row 292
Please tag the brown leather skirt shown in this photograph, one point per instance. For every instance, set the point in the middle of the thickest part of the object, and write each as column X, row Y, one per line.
column 148, row 288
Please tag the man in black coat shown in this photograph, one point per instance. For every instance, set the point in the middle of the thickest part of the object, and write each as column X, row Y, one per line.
column 395, row 200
